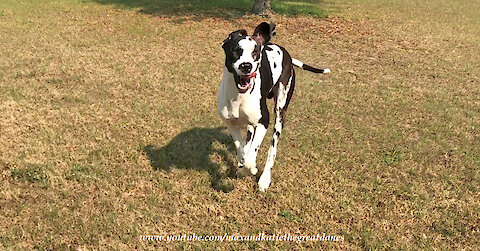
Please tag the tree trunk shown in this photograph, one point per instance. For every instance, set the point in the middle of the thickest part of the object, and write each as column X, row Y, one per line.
column 262, row 7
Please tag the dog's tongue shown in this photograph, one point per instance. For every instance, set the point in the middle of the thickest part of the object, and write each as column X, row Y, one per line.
column 245, row 81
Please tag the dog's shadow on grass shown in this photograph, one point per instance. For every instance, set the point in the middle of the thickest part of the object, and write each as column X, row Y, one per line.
column 201, row 149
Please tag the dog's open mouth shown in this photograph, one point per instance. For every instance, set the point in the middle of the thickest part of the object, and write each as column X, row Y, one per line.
column 246, row 82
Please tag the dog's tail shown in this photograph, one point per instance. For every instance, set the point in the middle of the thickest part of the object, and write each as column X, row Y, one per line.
column 306, row 67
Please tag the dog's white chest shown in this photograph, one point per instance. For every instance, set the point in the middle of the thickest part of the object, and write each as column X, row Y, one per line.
column 239, row 109
column 244, row 113
column 250, row 109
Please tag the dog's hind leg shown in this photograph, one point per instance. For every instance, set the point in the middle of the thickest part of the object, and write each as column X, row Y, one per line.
column 281, row 103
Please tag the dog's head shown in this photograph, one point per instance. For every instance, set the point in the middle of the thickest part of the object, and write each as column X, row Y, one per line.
column 243, row 53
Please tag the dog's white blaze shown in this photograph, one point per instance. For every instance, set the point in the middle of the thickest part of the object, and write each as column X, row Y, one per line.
column 248, row 46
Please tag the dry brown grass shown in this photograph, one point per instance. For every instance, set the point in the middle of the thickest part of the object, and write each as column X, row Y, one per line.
column 383, row 151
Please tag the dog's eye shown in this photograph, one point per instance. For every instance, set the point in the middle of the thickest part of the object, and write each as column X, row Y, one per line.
column 239, row 51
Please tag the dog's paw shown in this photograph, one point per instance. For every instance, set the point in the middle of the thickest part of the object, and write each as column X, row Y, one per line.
column 264, row 182
column 252, row 166
column 242, row 172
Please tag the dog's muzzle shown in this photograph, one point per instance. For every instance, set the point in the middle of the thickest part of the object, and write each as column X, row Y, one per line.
column 246, row 82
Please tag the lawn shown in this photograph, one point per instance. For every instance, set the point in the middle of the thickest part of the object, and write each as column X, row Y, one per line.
column 109, row 131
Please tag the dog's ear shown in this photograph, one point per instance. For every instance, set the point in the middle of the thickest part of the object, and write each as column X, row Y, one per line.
column 238, row 33
column 264, row 32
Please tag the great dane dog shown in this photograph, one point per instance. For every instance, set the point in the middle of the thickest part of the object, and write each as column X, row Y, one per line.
column 256, row 70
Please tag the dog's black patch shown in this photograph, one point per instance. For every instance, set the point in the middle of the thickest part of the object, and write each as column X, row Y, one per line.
column 312, row 69
column 287, row 67
column 289, row 95
column 249, row 136
column 274, row 64
column 253, row 87
column 287, row 73
column 266, row 86
column 232, row 51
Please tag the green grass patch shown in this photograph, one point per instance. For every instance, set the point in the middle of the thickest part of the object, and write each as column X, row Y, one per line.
column 31, row 173
column 82, row 174
column 299, row 8
column 391, row 157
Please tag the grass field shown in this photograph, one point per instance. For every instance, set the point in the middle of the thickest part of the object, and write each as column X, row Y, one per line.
column 109, row 131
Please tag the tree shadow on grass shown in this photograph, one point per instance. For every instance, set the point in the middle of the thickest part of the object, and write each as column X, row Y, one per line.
column 198, row 149
column 200, row 8
column 226, row 9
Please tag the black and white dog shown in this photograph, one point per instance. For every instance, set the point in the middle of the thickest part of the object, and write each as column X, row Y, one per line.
column 255, row 70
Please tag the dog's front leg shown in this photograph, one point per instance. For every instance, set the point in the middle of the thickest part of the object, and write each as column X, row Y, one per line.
column 265, row 178
column 251, row 154
column 235, row 133
column 249, row 139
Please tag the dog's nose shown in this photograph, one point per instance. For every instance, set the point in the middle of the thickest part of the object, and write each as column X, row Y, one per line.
column 245, row 67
